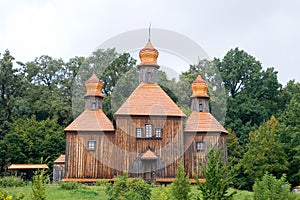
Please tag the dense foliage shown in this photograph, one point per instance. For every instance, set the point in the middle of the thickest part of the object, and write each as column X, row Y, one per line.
column 181, row 186
column 271, row 188
column 125, row 188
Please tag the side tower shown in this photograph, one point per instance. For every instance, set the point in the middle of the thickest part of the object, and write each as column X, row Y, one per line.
column 202, row 131
column 89, row 139
column 149, row 135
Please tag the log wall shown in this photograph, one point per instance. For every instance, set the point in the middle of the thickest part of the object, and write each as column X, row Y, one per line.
column 84, row 163
column 168, row 148
column 192, row 156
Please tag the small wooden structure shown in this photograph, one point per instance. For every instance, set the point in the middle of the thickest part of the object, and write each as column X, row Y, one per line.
column 26, row 171
column 59, row 168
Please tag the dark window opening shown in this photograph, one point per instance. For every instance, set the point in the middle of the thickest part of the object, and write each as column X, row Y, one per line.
column 200, row 107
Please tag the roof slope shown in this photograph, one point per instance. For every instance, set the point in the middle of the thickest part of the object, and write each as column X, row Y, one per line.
column 149, row 99
column 203, row 122
column 149, row 155
column 60, row 159
column 91, row 120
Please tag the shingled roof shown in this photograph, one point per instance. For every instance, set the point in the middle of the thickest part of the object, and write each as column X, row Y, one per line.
column 149, row 99
column 91, row 120
column 203, row 122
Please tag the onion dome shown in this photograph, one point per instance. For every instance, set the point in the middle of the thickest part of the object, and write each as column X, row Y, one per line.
column 148, row 55
column 93, row 86
column 199, row 87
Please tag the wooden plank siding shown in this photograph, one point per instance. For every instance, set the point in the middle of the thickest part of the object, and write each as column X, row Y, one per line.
column 84, row 163
column 192, row 156
column 168, row 148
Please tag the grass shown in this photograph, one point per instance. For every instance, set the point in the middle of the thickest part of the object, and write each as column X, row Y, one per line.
column 55, row 192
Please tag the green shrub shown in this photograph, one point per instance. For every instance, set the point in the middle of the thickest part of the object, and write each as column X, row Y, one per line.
column 70, row 185
column 39, row 184
column 271, row 188
column 181, row 186
column 161, row 193
column 4, row 195
column 125, row 188
column 11, row 181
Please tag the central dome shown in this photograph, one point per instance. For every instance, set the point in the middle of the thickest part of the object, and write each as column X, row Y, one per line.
column 148, row 55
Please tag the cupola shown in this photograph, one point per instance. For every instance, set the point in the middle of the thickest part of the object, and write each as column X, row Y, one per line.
column 93, row 96
column 148, row 67
column 200, row 97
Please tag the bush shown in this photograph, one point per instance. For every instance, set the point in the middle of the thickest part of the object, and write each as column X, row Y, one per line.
column 4, row 195
column 271, row 188
column 161, row 193
column 11, row 181
column 39, row 184
column 70, row 185
column 125, row 188
column 181, row 186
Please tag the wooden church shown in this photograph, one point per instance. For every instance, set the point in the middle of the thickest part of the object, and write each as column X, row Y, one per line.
column 151, row 134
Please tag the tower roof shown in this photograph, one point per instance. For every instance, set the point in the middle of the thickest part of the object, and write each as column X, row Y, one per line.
column 148, row 55
column 93, row 86
column 199, row 87
column 149, row 99
column 91, row 120
column 203, row 122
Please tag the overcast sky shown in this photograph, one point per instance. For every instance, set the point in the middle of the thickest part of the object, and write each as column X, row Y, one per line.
column 267, row 30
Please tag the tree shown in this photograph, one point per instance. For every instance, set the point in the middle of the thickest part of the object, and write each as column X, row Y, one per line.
column 218, row 177
column 10, row 88
column 253, row 92
column 289, row 135
column 181, row 186
column 265, row 152
column 30, row 140
column 271, row 188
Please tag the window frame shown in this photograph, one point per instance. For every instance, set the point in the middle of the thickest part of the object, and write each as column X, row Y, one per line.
column 201, row 143
column 140, row 132
column 91, row 145
column 158, row 130
column 94, row 105
column 148, row 127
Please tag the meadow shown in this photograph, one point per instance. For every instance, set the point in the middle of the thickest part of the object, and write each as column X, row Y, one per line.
column 55, row 192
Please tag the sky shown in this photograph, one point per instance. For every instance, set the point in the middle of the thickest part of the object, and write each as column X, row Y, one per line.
column 267, row 30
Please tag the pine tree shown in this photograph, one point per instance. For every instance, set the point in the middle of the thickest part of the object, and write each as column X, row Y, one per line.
column 217, row 177
column 181, row 186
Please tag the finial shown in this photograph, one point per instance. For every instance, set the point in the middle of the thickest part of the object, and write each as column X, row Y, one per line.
column 149, row 36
